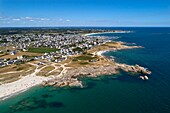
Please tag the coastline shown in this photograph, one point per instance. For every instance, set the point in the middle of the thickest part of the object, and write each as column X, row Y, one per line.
column 89, row 34
column 10, row 89
column 100, row 53
column 102, row 67
column 124, row 90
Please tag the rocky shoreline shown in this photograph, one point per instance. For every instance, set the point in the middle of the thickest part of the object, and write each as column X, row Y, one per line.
column 70, row 78
column 93, row 71
column 133, row 68
column 68, row 73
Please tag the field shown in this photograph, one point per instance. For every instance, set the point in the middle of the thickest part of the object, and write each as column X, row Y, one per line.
column 106, row 46
column 14, row 72
column 90, row 58
column 84, row 57
column 42, row 50
column 45, row 71
column 4, row 48
column 19, row 54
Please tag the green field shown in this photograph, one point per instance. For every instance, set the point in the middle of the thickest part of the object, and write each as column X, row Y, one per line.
column 84, row 57
column 42, row 50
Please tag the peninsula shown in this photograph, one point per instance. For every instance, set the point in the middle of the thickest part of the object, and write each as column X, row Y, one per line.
column 56, row 59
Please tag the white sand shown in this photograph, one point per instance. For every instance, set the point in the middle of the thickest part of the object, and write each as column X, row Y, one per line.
column 10, row 89
column 99, row 53
column 107, row 33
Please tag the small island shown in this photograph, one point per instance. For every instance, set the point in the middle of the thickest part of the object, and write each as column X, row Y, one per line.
column 57, row 59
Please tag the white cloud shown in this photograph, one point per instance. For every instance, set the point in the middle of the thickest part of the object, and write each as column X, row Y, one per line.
column 35, row 19
column 68, row 20
column 28, row 17
column 16, row 19
column 44, row 19
column 31, row 20
column 26, row 20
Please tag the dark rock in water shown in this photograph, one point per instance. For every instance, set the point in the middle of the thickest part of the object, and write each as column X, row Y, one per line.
column 41, row 103
column 46, row 96
column 55, row 104
column 33, row 103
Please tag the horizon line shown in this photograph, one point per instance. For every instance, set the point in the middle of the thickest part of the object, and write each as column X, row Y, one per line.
column 75, row 26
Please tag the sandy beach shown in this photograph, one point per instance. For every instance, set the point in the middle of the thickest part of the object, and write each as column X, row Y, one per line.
column 10, row 89
column 107, row 33
column 100, row 53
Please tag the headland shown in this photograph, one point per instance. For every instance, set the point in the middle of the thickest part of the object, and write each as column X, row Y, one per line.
column 63, row 67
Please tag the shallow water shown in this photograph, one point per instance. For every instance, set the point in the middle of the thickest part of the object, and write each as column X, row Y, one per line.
column 123, row 93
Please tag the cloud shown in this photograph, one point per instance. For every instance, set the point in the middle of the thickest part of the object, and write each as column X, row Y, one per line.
column 35, row 19
column 44, row 19
column 28, row 17
column 16, row 19
column 68, row 20
column 31, row 20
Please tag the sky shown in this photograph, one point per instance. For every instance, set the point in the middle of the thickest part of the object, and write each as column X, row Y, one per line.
column 107, row 13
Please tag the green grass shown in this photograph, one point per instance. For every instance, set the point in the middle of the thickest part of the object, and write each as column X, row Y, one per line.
column 84, row 57
column 42, row 50
column 84, row 63
column 78, row 49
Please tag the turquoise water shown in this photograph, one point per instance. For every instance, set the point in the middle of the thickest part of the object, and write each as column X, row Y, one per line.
column 121, row 93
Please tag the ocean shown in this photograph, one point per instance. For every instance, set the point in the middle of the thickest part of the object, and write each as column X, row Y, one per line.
column 121, row 93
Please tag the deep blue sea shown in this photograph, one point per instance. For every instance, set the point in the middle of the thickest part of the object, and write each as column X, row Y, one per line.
column 122, row 93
